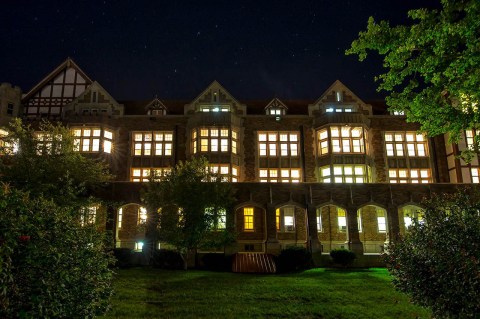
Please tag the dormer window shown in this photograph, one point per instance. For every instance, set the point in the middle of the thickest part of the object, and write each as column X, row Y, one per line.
column 339, row 109
column 338, row 96
column 156, row 107
column 273, row 111
column 276, row 108
column 217, row 108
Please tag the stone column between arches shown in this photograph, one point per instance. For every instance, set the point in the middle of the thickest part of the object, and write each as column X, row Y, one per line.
column 313, row 241
column 353, row 236
column 272, row 245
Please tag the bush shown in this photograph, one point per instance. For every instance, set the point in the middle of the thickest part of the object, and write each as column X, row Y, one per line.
column 123, row 257
column 167, row 259
column 343, row 257
column 50, row 265
column 438, row 261
column 217, row 262
column 293, row 258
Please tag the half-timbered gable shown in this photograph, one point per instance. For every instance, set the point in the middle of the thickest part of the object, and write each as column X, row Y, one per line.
column 59, row 88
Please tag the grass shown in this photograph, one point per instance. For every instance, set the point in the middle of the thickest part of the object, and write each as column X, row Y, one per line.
column 316, row 293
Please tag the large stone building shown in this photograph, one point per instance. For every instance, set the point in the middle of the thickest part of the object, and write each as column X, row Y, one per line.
column 334, row 172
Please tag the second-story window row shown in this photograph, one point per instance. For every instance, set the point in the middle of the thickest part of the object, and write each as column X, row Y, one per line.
column 215, row 139
column 403, row 144
column 341, row 140
column 278, row 144
column 152, row 143
column 92, row 140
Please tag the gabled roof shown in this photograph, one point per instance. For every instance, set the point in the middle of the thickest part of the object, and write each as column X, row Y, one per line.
column 68, row 63
column 338, row 86
column 276, row 103
column 156, row 104
column 215, row 87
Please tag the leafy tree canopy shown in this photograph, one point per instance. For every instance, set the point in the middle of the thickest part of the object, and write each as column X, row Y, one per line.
column 43, row 162
column 438, row 261
column 190, row 202
column 433, row 66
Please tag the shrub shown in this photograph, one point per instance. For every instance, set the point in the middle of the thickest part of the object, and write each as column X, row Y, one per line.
column 438, row 261
column 123, row 257
column 50, row 265
column 217, row 262
column 293, row 258
column 167, row 259
column 343, row 257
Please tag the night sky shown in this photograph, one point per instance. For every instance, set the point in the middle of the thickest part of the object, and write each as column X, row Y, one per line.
column 174, row 49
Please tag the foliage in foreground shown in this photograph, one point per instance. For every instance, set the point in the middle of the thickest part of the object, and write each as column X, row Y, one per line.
column 192, row 204
column 293, row 258
column 343, row 257
column 438, row 261
column 432, row 66
column 50, row 265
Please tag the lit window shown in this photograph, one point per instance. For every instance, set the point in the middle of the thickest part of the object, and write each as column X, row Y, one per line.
column 142, row 215
column 248, row 219
column 285, row 219
column 88, row 215
column 224, row 171
column 143, row 174
column 343, row 139
column 381, row 221
column 404, row 175
column 215, row 140
column 138, row 246
column 319, row 220
column 284, row 175
column 470, row 137
column 152, row 143
column 342, row 220
column 87, row 139
column 356, row 174
column 107, row 141
column 405, row 143
column 120, row 218
column 270, row 142
column 475, row 175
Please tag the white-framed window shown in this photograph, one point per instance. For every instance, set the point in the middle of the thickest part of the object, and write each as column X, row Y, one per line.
column 402, row 144
column 88, row 215
column 228, row 173
column 475, row 171
column 215, row 108
column 275, row 144
column 470, row 137
column 47, row 143
column 341, row 140
column 355, row 174
column 120, row 218
column 141, row 174
column 219, row 218
column 285, row 219
column 214, row 139
column 319, row 220
column 142, row 215
column 280, row 175
column 107, row 141
column 404, row 175
column 87, row 139
column 381, row 221
column 154, row 143
column 342, row 220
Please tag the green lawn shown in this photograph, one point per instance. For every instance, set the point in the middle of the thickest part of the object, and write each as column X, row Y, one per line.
column 316, row 293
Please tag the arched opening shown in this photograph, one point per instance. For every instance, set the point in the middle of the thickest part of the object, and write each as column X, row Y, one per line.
column 373, row 228
column 406, row 214
column 331, row 227
column 250, row 228
column 130, row 227
column 291, row 226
